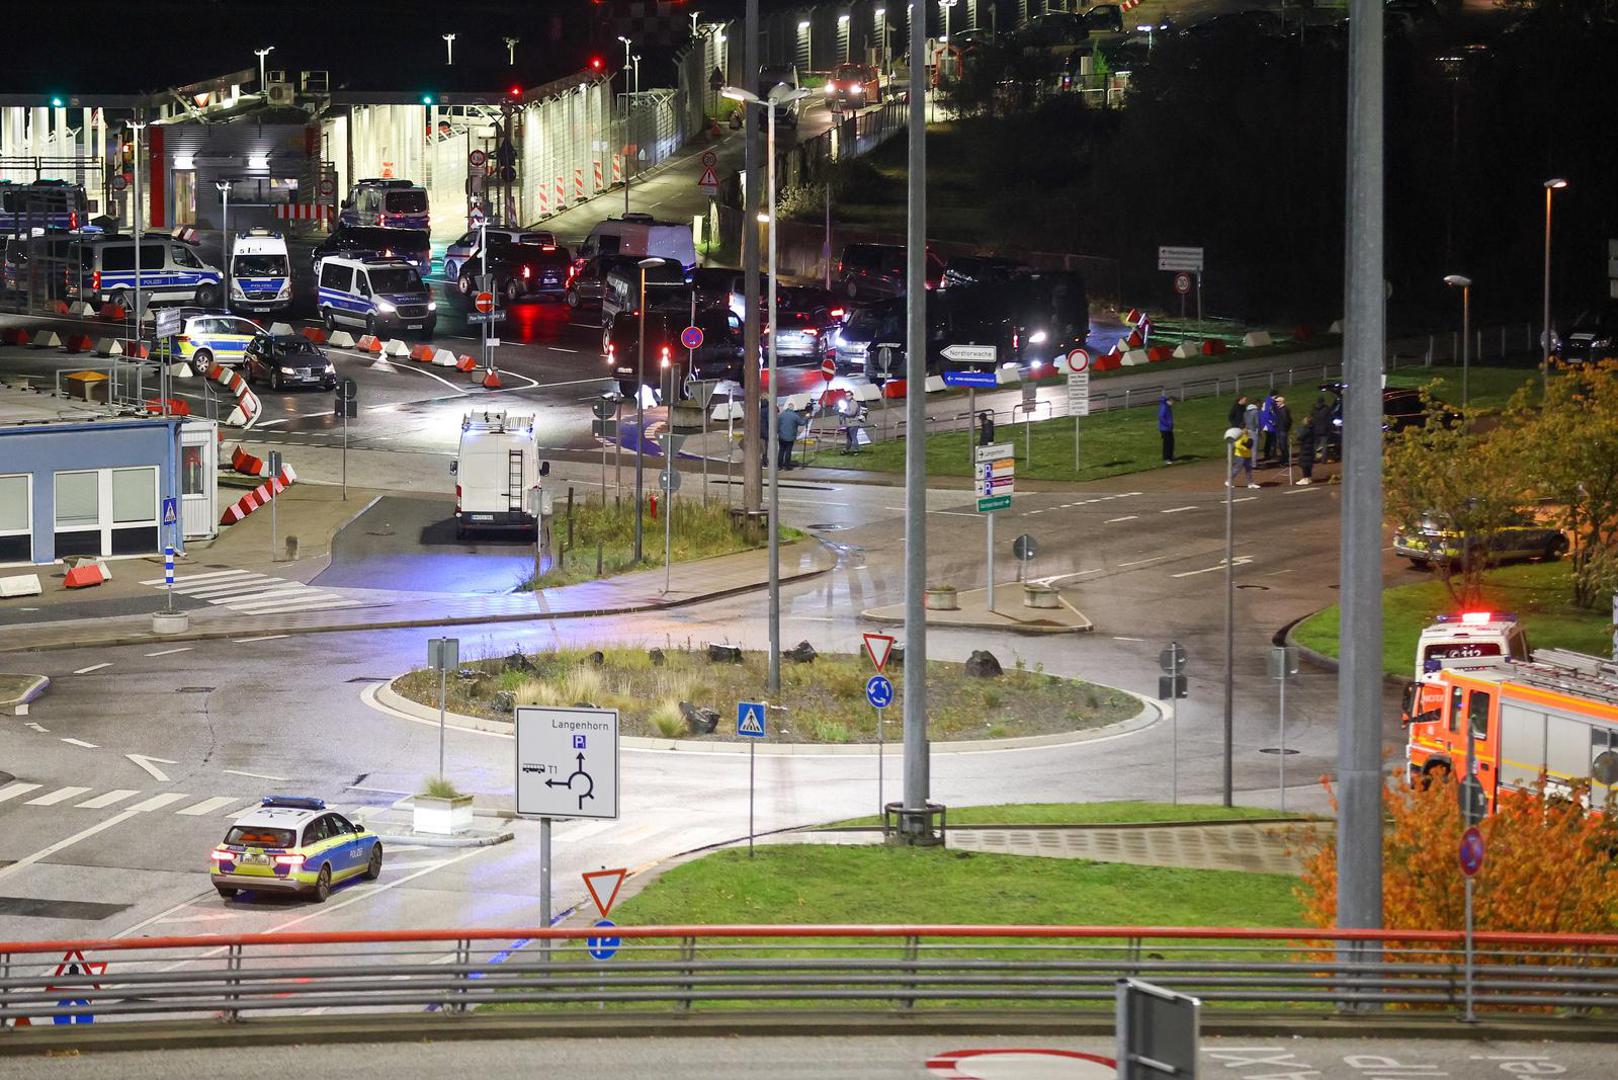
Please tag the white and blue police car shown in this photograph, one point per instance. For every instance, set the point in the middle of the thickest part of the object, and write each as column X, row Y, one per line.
column 384, row 296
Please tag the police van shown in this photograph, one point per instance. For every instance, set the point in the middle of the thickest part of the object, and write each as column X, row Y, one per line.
column 171, row 271
column 392, row 204
column 260, row 273
column 41, row 204
column 385, row 296
column 642, row 236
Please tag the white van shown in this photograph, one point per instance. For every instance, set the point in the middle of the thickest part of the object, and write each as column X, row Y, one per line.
column 496, row 467
column 170, row 271
column 640, row 235
column 385, row 296
column 1470, row 640
column 260, row 272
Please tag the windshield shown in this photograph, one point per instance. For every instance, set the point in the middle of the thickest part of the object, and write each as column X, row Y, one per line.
column 297, row 347
column 261, row 266
column 261, row 836
column 395, row 279
column 407, row 202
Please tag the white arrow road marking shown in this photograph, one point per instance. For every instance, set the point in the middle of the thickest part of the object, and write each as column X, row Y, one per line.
column 150, row 764
column 36, row 727
column 81, row 742
column 1240, row 560
column 254, row 775
column 93, row 667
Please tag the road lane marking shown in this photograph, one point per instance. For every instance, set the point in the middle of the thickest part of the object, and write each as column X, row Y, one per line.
column 280, row 607
column 1177, row 510
column 277, row 420
column 157, row 802
column 209, row 806
column 1245, row 498
column 11, row 791
column 103, row 801
column 1143, row 562
column 36, row 727
column 193, row 579
column 150, row 765
column 256, row 775
column 170, row 652
column 1116, row 520
column 51, row 798
column 46, row 852
column 1240, row 560
column 93, row 667
column 270, row 590
column 249, row 641
column 81, row 742
column 1129, row 639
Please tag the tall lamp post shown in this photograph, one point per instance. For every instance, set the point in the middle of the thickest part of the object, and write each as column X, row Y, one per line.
column 449, row 49
column 511, row 51
column 771, row 447
column 1463, row 283
column 880, row 18
column 1231, row 435
column 224, row 228
column 624, row 142
column 640, row 399
column 261, row 54
column 1551, row 187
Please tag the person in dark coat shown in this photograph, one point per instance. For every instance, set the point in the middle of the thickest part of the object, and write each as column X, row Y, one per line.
column 788, row 425
column 1281, row 416
column 1165, row 427
column 1238, row 412
column 1308, row 436
column 1321, row 414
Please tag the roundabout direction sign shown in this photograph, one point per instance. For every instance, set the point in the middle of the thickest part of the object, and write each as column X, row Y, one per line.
column 879, row 691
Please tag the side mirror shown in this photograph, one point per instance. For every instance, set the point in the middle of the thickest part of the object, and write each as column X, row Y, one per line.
column 454, row 467
column 1407, row 708
column 544, row 468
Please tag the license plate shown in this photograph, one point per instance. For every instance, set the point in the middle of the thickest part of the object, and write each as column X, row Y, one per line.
column 256, row 860
column 482, row 517
column 414, row 326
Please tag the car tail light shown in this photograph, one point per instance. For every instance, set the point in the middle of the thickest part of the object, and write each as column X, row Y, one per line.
column 289, row 860
column 457, row 496
column 837, row 313
column 665, row 353
column 547, row 247
column 220, row 854
column 183, row 338
column 527, row 272
column 95, row 280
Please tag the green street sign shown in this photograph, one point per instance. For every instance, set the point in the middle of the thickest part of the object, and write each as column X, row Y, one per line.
column 994, row 502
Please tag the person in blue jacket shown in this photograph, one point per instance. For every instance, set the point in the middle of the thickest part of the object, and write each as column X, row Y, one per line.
column 1165, row 427
column 1266, row 423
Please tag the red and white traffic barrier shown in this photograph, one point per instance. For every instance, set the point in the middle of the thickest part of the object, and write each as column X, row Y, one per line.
column 248, row 409
column 259, row 496
column 85, row 573
column 302, row 211
column 466, row 363
column 316, row 335
column 247, row 464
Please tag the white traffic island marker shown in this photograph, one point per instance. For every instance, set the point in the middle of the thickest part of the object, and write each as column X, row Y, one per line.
column 150, row 764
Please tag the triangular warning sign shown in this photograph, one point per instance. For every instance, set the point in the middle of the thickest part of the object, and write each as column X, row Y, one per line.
column 709, row 177
column 752, row 721
column 590, row 879
column 879, row 647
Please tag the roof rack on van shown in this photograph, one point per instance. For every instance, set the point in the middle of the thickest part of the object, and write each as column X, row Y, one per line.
column 496, row 423
column 388, row 182
column 638, row 216
column 258, row 233
column 382, row 260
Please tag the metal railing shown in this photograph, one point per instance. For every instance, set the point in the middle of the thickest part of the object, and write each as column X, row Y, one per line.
column 898, row 968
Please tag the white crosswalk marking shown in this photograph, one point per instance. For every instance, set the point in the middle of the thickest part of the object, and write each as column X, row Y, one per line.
column 106, row 800
column 157, row 802
column 255, row 594
column 209, row 806
column 62, row 794
column 11, row 791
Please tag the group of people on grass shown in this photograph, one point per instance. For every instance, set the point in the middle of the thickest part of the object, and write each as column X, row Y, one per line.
column 1263, row 436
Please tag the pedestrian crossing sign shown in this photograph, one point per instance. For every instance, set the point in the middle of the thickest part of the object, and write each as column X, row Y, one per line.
column 750, row 719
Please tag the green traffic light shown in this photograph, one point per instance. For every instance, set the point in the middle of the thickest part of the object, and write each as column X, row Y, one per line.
column 426, row 99
column 57, row 101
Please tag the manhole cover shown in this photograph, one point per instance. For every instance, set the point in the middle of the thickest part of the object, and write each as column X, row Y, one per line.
column 195, row 690
column 1277, row 750
column 827, row 526
column 1260, row 588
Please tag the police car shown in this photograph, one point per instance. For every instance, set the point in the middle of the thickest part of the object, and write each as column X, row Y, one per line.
column 293, row 844
column 208, row 337
column 383, row 295
column 260, row 275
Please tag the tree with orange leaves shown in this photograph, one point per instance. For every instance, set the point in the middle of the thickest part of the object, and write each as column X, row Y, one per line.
column 1549, row 868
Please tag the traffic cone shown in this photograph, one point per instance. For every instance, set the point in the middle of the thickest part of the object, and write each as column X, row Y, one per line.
column 491, row 381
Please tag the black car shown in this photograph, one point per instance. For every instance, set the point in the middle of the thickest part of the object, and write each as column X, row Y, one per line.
column 1402, row 407
column 719, row 357
column 973, row 269
column 1053, row 29
column 520, row 272
column 1591, row 338
column 1105, row 19
column 412, row 245
column 283, row 361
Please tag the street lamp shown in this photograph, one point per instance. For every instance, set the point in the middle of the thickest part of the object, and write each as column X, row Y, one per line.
column 224, row 228
column 511, row 51
column 946, row 5
column 624, row 142
column 772, row 447
column 1551, row 186
column 880, row 18
column 1231, row 435
column 640, row 400
column 808, row 36
column 1465, row 285
column 449, row 46
column 261, row 54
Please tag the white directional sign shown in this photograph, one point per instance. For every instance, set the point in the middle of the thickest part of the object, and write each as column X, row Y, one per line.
column 995, row 480
column 567, row 762
column 1179, row 258
column 967, row 354
column 1078, row 393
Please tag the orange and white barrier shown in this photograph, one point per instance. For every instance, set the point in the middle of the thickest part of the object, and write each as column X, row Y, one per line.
column 247, row 464
column 77, row 343
column 302, row 211
column 466, row 363
column 248, row 409
column 315, row 334
column 259, row 496
column 85, row 573
column 422, row 354
column 13, row 335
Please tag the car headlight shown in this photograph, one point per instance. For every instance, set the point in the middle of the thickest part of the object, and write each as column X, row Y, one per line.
column 329, row 369
column 856, row 89
column 236, row 288
column 432, row 305
column 286, row 290
column 289, row 371
column 1037, row 337
column 384, row 306
column 1601, row 343
column 831, row 88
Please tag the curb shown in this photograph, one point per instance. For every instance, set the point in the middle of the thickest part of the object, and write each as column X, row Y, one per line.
column 1268, row 822
column 413, row 840
column 385, row 698
column 21, row 701
column 486, row 1024
column 147, row 638
column 1319, row 659
column 1014, row 628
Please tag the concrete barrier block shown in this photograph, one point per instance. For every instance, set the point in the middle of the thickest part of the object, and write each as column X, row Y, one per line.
column 1257, row 337
column 1213, row 347
column 465, row 363
column 281, row 329
column 316, row 334
column 798, row 401
column 20, row 585
column 867, row 392
column 1134, row 358
column 396, row 348
column 1007, row 376
column 1336, row 327
column 1187, row 349
column 728, row 410
column 81, row 309
column 1158, row 353
column 443, row 358
column 46, row 339
column 934, row 384
column 894, row 388
column 109, row 347
column 341, row 339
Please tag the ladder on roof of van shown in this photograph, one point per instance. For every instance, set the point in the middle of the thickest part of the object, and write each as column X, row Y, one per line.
column 514, row 491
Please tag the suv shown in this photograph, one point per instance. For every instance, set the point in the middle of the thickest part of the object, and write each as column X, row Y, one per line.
column 856, row 83
column 870, row 271
column 412, row 245
column 520, row 272
column 465, row 249
column 286, row 360
column 399, row 203
column 382, row 295
column 206, row 338
column 1591, row 337
column 720, row 356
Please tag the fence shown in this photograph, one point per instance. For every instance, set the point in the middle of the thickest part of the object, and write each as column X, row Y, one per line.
column 784, row 968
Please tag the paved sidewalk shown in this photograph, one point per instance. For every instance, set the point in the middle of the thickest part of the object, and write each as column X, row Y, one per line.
column 1262, row 847
column 374, row 609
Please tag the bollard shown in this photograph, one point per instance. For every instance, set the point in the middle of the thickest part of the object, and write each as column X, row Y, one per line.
column 652, row 499
column 598, row 558
column 292, row 548
column 570, row 515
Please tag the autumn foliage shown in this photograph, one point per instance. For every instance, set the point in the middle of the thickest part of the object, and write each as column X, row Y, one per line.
column 1550, row 865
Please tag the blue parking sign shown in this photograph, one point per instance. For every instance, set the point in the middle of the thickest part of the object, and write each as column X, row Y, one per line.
column 603, row 948
column 879, row 691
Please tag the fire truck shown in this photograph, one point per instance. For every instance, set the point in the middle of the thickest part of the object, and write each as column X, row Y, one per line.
column 1554, row 716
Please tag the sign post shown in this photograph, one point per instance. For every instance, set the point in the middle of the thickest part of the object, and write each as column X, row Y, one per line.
column 348, row 392
column 171, row 525
column 1183, row 259
column 996, row 480
column 879, row 647
column 750, row 725
column 566, row 766
column 1283, row 665
column 1471, row 850
column 1171, row 688
column 1077, row 366
column 1182, row 285
column 604, row 408
column 443, row 654
column 1157, row 1032
column 603, row 947
column 275, row 470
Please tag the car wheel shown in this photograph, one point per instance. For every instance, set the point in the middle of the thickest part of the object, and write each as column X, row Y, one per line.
column 226, row 891
column 571, row 297
column 208, row 296
column 202, row 361
column 852, row 289
column 373, row 869
column 1556, row 548
column 329, row 322
column 463, row 282
column 1434, row 771
column 275, row 381
column 628, row 389
column 322, row 885
column 513, row 291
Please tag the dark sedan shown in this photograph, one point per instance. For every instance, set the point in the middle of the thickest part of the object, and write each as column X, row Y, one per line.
column 285, row 361
column 667, row 362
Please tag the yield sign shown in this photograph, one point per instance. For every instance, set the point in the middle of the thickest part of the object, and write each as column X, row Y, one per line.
column 617, row 879
column 879, row 647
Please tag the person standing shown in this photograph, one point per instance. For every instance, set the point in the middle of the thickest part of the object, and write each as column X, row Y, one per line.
column 1282, row 417
column 1307, row 437
column 1242, row 456
column 1165, row 427
column 1250, row 423
column 1266, row 424
column 786, row 432
column 1238, row 412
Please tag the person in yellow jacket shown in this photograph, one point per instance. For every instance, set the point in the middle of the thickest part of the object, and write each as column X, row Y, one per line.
column 1241, row 456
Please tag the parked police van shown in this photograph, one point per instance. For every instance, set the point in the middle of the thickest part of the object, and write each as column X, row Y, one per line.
column 641, row 235
column 171, row 271
column 392, row 204
column 41, row 204
column 385, row 296
column 260, row 272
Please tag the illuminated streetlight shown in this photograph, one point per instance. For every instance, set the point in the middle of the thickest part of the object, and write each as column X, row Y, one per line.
column 1551, row 186
column 1463, row 283
column 449, row 46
